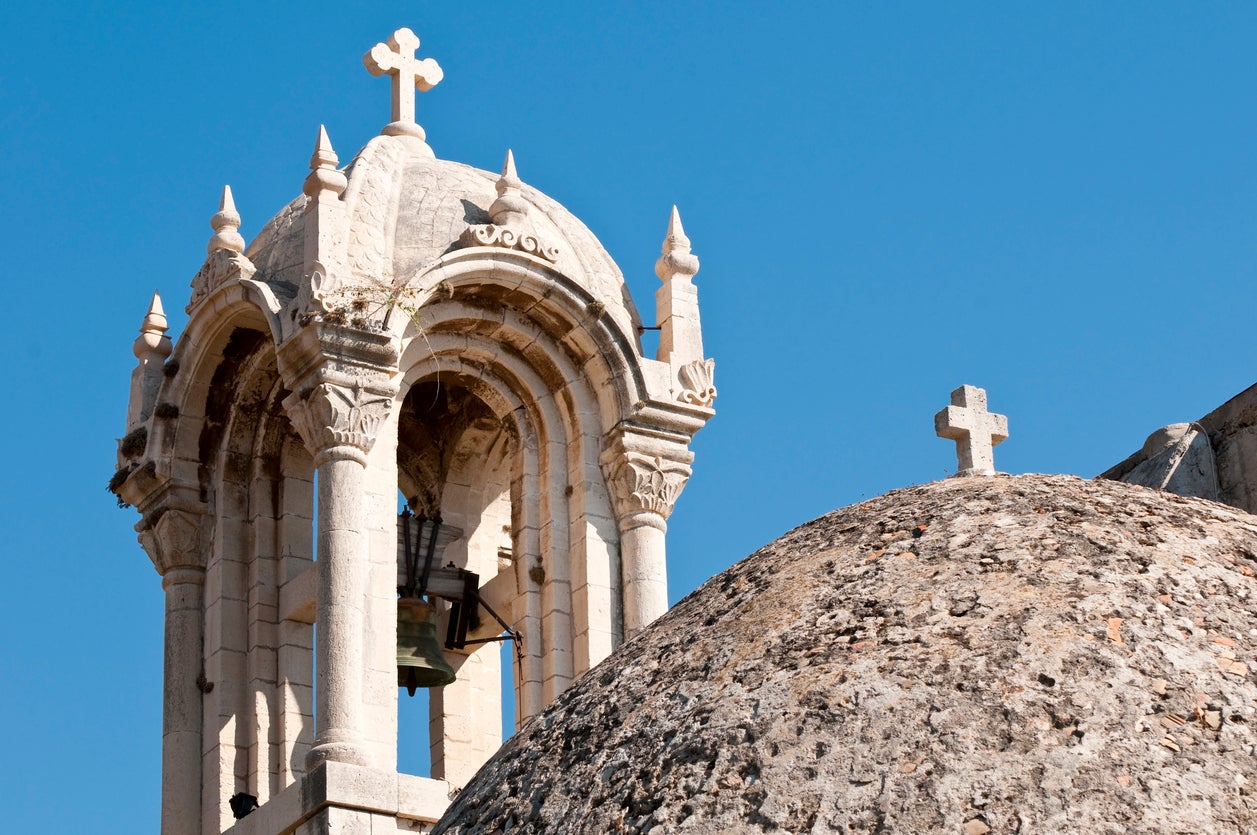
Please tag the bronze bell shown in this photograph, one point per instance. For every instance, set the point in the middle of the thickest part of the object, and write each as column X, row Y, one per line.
column 419, row 659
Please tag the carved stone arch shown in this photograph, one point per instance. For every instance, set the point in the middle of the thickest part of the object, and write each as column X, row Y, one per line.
column 490, row 288
column 579, row 564
column 561, row 379
column 215, row 334
column 462, row 388
column 561, row 372
column 578, row 412
column 521, row 604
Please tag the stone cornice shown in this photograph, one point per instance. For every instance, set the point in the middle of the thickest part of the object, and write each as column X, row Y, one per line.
column 326, row 350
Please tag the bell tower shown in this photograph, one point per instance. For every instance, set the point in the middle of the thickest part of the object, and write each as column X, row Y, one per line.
column 412, row 327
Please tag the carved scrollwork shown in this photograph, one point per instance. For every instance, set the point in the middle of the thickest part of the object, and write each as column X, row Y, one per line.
column 312, row 296
column 489, row 234
column 337, row 415
column 698, row 381
column 219, row 267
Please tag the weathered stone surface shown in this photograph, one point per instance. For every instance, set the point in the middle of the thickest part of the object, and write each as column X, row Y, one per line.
column 1232, row 433
column 1177, row 458
column 1006, row 654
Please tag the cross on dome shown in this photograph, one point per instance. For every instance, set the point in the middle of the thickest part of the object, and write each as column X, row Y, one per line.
column 974, row 429
column 397, row 59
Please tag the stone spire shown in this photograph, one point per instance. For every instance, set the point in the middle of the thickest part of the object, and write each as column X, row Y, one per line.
column 324, row 179
column 226, row 258
column 326, row 226
column 510, row 208
column 226, row 226
column 151, row 349
column 676, row 312
column 974, row 429
column 677, row 260
column 397, row 59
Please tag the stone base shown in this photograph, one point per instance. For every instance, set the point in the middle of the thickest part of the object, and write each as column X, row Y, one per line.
column 341, row 799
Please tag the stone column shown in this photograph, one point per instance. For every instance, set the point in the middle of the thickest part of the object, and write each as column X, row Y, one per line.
column 176, row 544
column 339, row 422
column 644, row 488
column 644, row 568
column 181, row 702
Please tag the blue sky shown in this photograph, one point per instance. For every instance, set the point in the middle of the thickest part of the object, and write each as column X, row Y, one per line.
column 1054, row 201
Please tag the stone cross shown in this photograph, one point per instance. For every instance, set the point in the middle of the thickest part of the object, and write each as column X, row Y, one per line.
column 397, row 58
column 975, row 430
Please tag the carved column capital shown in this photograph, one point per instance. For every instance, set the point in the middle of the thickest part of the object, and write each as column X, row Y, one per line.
column 343, row 382
column 177, row 541
column 645, row 469
column 330, row 415
column 643, row 485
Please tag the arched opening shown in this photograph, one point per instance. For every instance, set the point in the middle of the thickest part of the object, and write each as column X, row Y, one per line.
column 455, row 458
column 256, row 478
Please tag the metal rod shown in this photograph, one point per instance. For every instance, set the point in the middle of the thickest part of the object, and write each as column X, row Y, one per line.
column 431, row 550
column 514, row 633
column 409, row 588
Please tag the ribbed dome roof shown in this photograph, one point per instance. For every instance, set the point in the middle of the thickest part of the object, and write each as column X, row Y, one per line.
column 407, row 209
column 1004, row 654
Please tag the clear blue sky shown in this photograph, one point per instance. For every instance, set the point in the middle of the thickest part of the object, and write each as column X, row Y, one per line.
column 1054, row 201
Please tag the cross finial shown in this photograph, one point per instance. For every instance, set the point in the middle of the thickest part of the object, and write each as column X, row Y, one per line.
column 397, row 58
column 975, row 430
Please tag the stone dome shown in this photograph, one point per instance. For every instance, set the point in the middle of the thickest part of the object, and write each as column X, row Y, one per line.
column 1003, row 654
column 407, row 209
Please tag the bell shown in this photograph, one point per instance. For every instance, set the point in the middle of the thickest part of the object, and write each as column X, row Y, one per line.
column 419, row 659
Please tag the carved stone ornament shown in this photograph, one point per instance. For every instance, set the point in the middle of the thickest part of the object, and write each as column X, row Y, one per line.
column 642, row 483
column 489, row 234
column 510, row 226
column 337, row 415
column 312, row 296
column 219, row 267
column 177, row 539
column 698, row 379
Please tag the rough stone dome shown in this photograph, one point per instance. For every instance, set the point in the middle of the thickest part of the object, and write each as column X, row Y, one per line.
column 407, row 209
column 1004, row 654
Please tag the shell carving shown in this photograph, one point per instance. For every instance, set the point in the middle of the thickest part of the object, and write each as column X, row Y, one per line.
column 698, row 380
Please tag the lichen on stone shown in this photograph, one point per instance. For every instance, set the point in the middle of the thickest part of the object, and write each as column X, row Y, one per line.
column 1004, row 654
